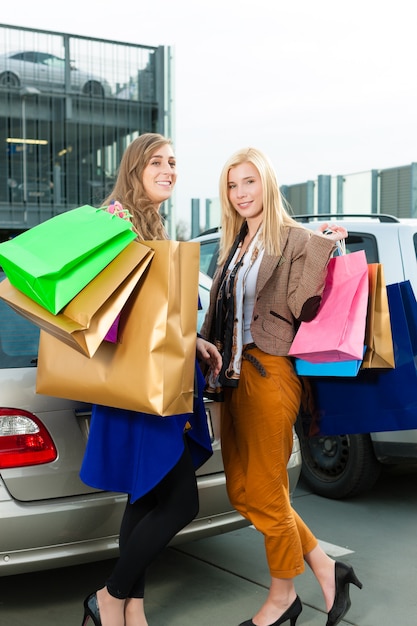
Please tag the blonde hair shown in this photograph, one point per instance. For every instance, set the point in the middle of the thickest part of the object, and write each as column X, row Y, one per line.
column 129, row 190
column 276, row 215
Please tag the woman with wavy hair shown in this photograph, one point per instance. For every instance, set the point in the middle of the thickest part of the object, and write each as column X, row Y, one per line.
column 150, row 458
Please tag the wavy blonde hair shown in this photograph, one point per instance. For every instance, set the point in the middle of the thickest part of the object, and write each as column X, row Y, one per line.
column 129, row 190
column 276, row 215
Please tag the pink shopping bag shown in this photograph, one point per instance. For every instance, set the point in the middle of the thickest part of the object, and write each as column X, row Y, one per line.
column 337, row 332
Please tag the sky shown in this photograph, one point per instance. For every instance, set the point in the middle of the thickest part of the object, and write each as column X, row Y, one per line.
column 321, row 86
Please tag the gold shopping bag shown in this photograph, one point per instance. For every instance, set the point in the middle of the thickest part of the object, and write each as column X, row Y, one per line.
column 151, row 369
column 378, row 336
column 85, row 320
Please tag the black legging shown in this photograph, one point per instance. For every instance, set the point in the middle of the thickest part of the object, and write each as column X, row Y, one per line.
column 150, row 523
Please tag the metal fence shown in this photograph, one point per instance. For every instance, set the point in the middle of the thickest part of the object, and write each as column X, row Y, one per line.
column 392, row 191
column 69, row 106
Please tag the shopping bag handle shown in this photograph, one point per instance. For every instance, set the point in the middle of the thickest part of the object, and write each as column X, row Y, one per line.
column 116, row 208
column 341, row 247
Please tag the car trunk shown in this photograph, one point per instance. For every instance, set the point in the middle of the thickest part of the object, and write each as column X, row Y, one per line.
column 67, row 422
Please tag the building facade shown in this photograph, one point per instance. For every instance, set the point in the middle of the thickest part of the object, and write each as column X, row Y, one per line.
column 69, row 106
column 392, row 191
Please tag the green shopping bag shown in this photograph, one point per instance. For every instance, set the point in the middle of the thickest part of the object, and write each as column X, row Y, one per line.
column 53, row 261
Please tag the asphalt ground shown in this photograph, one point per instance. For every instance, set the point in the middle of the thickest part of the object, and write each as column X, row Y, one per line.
column 222, row 581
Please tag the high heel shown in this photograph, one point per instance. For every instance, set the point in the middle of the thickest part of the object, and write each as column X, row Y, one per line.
column 344, row 575
column 91, row 610
column 292, row 614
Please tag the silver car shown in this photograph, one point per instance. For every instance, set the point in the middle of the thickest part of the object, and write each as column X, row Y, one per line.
column 47, row 72
column 48, row 516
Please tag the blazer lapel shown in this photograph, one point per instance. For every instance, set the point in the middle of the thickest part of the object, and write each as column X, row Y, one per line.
column 269, row 263
column 266, row 269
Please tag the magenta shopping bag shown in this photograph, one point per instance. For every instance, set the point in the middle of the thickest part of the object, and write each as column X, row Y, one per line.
column 112, row 334
column 337, row 332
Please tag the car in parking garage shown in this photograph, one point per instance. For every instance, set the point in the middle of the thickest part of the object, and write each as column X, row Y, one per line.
column 47, row 72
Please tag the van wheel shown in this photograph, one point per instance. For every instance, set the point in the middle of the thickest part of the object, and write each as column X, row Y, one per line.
column 337, row 466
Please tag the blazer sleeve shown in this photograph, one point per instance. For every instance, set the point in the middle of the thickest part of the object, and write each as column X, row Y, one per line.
column 309, row 259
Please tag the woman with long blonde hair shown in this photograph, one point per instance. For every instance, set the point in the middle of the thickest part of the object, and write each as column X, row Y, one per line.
column 270, row 278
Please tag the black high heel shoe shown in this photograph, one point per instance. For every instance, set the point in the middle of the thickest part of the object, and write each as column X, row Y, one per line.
column 292, row 613
column 91, row 610
column 344, row 575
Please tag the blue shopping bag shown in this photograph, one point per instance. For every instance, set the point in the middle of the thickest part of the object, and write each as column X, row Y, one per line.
column 376, row 400
column 337, row 368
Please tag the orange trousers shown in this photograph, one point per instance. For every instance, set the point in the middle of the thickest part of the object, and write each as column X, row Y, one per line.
column 257, row 439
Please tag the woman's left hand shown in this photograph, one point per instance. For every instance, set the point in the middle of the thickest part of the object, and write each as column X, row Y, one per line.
column 333, row 231
column 208, row 352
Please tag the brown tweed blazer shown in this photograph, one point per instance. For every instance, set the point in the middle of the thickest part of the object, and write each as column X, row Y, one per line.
column 288, row 290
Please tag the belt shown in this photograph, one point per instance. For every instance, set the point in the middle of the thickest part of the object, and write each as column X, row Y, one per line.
column 255, row 362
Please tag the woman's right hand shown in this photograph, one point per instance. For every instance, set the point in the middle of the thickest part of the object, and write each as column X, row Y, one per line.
column 333, row 231
column 208, row 353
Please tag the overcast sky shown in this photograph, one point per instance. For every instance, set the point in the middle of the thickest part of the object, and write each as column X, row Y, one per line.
column 322, row 86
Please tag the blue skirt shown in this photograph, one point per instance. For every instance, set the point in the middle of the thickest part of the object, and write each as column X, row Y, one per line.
column 131, row 452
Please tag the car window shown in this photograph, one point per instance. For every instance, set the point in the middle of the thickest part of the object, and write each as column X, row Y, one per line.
column 26, row 56
column 363, row 241
column 204, row 293
column 19, row 338
column 209, row 251
column 53, row 62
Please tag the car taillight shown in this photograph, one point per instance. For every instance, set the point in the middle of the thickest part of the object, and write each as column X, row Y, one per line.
column 24, row 440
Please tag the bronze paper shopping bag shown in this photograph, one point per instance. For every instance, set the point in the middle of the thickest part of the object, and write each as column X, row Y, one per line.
column 378, row 335
column 151, row 369
column 84, row 322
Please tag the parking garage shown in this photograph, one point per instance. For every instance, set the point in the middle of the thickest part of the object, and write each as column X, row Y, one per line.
column 69, row 106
